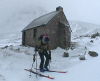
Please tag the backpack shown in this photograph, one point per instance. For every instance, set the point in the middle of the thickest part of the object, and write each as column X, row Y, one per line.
column 39, row 38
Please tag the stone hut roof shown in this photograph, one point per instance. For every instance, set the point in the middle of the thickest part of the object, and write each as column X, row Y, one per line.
column 43, row 20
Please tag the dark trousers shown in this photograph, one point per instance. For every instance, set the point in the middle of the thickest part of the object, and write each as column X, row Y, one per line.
column 42, row 54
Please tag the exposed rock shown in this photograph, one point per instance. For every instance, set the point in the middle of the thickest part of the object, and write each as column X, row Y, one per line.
column 5, row 47
column 94, row 35
column 65, row 54
column 92, row 53
column 82, row 57
column 91, row 41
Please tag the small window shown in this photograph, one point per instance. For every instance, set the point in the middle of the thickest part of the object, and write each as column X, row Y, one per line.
column 34, row 32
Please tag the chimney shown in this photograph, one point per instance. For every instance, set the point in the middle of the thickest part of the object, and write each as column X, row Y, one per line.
column 59, row 8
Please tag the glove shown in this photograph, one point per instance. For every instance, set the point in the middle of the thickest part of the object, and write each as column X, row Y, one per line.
column 36, row 48
column 35, row 51
column 50, row 56
column 34, row 58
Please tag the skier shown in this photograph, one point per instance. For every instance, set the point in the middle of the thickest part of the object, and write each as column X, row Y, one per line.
column 43, row 49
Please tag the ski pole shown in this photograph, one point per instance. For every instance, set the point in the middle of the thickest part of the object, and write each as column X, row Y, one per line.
column 36, row 62
column 85, row 50
column 32, row 63
column 49, row 64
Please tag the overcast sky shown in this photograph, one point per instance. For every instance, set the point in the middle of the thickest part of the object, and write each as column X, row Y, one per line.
column 77, row 10
column 80, row 10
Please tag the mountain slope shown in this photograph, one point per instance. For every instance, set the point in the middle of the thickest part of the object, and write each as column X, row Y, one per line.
column 83, row 28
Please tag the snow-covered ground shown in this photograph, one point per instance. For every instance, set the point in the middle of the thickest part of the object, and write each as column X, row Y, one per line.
column 16, row 58
column 13, row 62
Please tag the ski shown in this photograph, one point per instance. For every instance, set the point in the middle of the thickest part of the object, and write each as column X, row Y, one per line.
column 39, row 74
column 55, row 71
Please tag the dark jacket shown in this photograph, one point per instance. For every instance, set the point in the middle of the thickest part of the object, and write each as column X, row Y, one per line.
column 40, row 47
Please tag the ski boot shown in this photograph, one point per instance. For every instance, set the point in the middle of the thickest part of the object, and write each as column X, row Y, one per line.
column 42, row 70
column 46, row 68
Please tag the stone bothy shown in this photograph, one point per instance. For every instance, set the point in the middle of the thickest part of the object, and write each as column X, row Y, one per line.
column 54, row 24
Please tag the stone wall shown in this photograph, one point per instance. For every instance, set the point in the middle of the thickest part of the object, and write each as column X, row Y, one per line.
column 58, row 33
column 30, row 40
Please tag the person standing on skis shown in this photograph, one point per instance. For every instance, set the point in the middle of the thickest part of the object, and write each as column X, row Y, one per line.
column 43, row 49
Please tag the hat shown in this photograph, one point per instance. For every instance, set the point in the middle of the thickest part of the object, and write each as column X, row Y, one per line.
column 44, row 34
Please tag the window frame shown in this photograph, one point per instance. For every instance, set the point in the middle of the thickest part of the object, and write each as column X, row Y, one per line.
column 34, row 32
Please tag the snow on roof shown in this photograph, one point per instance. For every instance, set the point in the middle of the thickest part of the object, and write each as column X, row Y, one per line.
column 67, row 25
column 43, row 20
